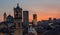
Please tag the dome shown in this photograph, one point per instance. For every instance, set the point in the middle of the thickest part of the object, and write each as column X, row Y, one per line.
column 9, row 18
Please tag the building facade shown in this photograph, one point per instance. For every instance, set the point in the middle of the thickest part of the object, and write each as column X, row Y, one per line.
column 35, row 19
column 25, row 18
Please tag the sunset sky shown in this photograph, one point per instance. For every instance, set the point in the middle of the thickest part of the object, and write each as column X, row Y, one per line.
column 43, row 8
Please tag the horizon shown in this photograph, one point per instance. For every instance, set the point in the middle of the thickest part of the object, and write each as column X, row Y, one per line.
column 43, row 8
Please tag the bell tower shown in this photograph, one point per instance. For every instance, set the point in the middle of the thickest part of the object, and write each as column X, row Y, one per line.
column 5, row 16
column 18, row 20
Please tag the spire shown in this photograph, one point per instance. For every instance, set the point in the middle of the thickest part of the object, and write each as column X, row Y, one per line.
column 17, row 4
column 4, row 12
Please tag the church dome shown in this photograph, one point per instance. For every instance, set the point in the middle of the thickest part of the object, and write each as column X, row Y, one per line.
column 9, row 18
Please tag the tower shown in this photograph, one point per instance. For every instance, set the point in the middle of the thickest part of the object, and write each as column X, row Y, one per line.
column 35, row 19
column 5, row 16
column 25, row 18
column 18, row 20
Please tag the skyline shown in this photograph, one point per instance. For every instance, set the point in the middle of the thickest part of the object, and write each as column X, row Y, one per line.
column 43, row 8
